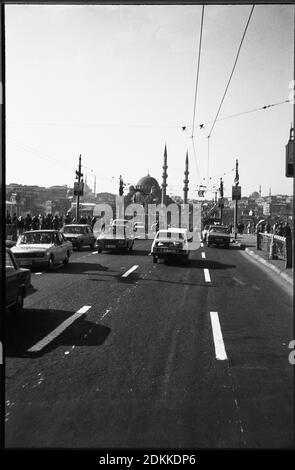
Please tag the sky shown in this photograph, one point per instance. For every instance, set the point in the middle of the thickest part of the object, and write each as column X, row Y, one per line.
column 116, row 83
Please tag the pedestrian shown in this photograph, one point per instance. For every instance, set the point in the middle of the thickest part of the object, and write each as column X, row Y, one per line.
column 280, row 229
column 55, row 222
column 35, row 223
column 287, row 230
column 14, row 227
column 8, row 218
column 20, row 225
column 68, row 218
column 28, row 222
column 267, row 227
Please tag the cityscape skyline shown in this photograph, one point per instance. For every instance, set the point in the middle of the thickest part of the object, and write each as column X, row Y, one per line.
column 115, row 83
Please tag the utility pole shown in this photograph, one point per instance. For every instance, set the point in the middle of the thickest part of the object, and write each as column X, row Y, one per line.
column 221, row 203
column 236, row 195
column 165, row 175
column 78, row 188
column 121, row 186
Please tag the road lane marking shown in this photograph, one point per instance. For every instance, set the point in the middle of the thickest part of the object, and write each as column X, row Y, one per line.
column 202, row 245
column 51, row 336
column 203, row 255
column 130, row 271
column 106, row 312
column 37, row 274
column 217, row 337
column 238, row 281
column 94, row 252
column 207, row 275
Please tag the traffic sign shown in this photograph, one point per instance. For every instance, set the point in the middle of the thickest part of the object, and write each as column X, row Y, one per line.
column 236, row 193
column 290, row 158
column 78, row 189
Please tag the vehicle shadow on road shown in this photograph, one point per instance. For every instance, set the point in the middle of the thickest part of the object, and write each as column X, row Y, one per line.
column 198, row 263
column 35, row 324
column 208, row 264
column 83, row 268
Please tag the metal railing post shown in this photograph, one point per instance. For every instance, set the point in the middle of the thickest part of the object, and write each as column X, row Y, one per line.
column 288, row 252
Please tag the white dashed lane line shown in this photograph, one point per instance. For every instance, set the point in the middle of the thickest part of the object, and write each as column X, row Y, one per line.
column 51, row 336
column 203, row 255
column 130, row 271
column 207, row 275
column 220, row 352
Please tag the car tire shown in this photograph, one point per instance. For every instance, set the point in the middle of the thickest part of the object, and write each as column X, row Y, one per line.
column 208, row 244
column 226, row 246
column 67, row 259
column 131, row 247
column 91, row 246
column 50, row 263
column 78, row 247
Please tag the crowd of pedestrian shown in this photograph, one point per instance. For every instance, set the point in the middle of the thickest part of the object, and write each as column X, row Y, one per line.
column 43, row 222
column 278, row 228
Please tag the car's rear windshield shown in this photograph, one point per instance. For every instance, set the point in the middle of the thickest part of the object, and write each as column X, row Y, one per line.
column 74, row 229
column 29, row 238
column 177, row 235
column 219, row 229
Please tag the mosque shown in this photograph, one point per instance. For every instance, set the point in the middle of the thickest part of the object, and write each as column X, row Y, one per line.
column 148, row 190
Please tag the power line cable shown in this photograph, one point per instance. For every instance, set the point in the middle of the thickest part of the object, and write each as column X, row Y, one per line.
column 233, row 69
column 246, row 112
column 196, row 94
column 226, row 88
column 198, row 70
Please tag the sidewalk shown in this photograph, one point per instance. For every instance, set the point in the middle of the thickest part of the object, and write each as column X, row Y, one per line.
column 248, row 243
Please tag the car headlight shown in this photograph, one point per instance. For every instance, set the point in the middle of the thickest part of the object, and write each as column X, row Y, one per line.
column 178, row 244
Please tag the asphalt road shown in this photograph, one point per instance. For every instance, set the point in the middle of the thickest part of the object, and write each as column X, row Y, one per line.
column 169, row 356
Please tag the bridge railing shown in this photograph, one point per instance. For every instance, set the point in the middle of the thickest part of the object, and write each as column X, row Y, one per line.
column 278, row 247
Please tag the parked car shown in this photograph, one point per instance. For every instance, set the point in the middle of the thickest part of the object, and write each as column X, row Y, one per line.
column 79, row 235
column 118, row 236
column 42, row 247
column 171, row 242
column 218, row 235
column 18, row 283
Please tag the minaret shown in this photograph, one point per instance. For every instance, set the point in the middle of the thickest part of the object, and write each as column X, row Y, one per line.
column 260, row 190
column 165, row 175
column 186, row 180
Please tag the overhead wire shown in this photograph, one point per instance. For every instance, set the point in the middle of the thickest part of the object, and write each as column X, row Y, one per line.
column 196, row 93
column 227, row 86
column 233, row 69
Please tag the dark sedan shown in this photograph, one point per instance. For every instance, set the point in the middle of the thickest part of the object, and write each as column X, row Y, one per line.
column 79, row 235
column 18, row 282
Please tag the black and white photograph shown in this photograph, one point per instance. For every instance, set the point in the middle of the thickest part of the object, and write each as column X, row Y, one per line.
column 148, row 228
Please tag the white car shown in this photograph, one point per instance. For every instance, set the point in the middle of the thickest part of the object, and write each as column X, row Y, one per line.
column 218, row 235
column 42, row 247
column 171, row 242
column 118, row 236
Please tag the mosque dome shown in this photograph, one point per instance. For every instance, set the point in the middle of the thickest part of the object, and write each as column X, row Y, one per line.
column 146, row 183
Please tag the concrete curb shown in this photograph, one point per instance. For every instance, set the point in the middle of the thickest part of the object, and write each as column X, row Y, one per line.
column 269, row 265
